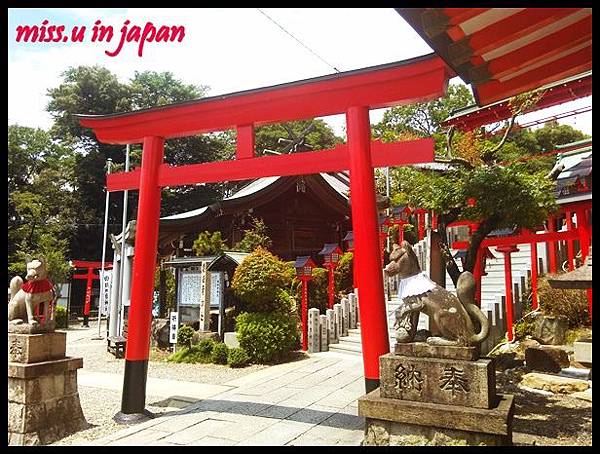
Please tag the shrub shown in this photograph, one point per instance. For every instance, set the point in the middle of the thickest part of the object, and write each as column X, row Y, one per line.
column 60, row 316
column 205, row 346
column 208, row 244
column 237, row 357
column 219, row 353
column 318, row 296
column 190, row 355
column 570, row 303
column 343, row 273
column 258, row 280
column 523, row 328
column 267, row 336
column 184, row 336
column 254, row 237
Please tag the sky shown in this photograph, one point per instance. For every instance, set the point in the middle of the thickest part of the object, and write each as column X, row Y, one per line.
column 227, row 50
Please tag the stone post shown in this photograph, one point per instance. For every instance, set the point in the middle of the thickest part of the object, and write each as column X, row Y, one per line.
column 43, row 401
column 337, row 314
column 353, row 310
column 331, row 326
column 324, row 330
column 345, row 316
column 314, row 343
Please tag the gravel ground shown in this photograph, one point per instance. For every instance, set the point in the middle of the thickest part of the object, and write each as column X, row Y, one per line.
column 543, row 420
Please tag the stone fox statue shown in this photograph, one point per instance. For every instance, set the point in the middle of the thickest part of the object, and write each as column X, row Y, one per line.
column 26, row 297
column 454, row 317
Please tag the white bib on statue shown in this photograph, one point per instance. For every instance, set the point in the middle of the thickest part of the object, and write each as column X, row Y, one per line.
column 415, row 285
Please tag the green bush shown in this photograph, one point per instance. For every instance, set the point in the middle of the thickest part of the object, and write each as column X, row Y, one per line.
column 524, row 328
column 570, row 303
column 219, row 354
column 205, row 346
column 344, row 274
column 237, row 357
column 257, row 282
column 189, row 355
column 60, row 316
column 185, row 334
column 267, row 336
column 318, row 295
column 254, row 237
column 208, row 244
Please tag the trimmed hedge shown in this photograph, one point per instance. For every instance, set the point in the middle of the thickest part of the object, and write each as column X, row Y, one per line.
column 184, row 336
column 258, row 280
column 219, row 354
column 267, row 336
column 237, row 357
column 60, row 316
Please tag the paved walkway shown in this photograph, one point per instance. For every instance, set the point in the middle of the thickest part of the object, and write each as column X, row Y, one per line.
column 309, row 402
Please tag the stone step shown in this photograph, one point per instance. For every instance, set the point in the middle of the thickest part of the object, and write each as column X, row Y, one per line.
column 353, row 339
column 345, row 348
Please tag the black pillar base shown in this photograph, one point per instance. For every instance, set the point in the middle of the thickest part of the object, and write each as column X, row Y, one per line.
column 133, row 418
column 86, row 321
column 371, row 384
column 134, row 387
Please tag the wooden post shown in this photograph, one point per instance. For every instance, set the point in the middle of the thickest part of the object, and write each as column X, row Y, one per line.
column 507, row 250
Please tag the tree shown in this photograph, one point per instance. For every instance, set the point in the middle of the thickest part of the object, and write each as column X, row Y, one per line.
column 306, row 135
column 41, row 209
column 95, row 90
column 254, row 237
column 483, row 182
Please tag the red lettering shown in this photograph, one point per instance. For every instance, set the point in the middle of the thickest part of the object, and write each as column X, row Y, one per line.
column 77, row 34
column 25, row 31
column 177, row 32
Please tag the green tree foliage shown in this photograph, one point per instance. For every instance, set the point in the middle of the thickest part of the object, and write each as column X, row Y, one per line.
column 344, row 274
column 318, row 296
column 208, row 243
column 508, row 191
column 422, row 119
column 255, row 236
column 277, row 137
column 266, row 337
column 169, row 297
column 219, row 353
column 261, row 281
column 185, row 335
column 41, row 210
column 95, row 90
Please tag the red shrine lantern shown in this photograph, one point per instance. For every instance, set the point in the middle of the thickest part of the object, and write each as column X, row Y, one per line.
column 331, row 253
column 349, row 240
column 304, row 266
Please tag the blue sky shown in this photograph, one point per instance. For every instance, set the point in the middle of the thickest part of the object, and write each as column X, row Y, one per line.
column 227, row 49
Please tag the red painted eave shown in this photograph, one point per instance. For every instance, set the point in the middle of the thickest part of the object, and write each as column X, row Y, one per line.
column 419, row 79
column 504, row 52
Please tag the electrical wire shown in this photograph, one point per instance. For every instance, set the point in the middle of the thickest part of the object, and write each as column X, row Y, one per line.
column 300, row 42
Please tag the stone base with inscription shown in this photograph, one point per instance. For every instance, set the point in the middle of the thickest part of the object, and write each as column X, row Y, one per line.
column 43, row 400
column 436, row 395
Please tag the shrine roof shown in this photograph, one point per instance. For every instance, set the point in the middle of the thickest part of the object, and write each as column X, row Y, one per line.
column 502, row 52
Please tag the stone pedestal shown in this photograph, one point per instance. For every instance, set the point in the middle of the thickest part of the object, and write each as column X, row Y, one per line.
column 43, row 401
column 432, row 395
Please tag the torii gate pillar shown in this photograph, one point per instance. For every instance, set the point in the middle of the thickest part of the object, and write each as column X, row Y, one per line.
column 140, row 314
column 374, row 332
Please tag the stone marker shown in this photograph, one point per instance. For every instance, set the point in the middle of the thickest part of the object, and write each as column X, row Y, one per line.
column 345, row 316
column 582, row 350
column 352, row 303
column 337, row 313
column 324, row 331
column 550, row 329
column 331, row 326
column 314, row 342
column 554, row 383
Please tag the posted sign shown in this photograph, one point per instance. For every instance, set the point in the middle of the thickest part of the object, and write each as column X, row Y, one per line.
column 173, row 326
column 105, row 283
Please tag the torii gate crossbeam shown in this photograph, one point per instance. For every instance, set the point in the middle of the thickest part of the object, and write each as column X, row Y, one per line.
column 352, row 93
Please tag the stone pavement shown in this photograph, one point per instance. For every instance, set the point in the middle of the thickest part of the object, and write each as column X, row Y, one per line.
column 308, row 402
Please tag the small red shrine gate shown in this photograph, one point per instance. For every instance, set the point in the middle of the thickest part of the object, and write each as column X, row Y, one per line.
column 353, row 93
column 89, row 277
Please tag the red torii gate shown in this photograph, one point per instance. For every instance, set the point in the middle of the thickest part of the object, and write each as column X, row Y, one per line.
column 353, row 93
column 89, row 277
